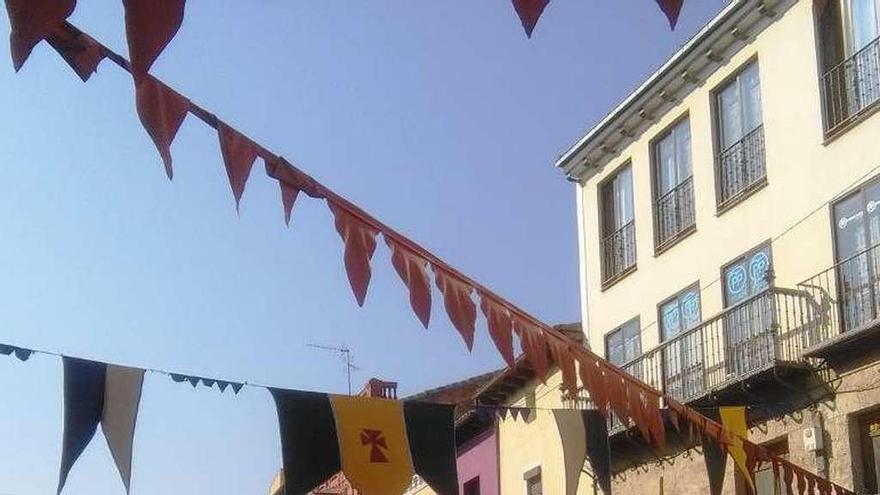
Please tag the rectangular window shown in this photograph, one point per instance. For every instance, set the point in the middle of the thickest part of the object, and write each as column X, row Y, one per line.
column 532, row 478
column 749, row 321
column 857, row 237
column 683, row 370
column 850, row 49
column 741, row 162
column 472, row 487
column 623, row 345
column 765, row 481
column 618, row 226
column 673, row 185
column 869, row 434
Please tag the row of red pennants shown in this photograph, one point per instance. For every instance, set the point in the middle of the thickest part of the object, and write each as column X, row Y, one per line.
column 150, row 25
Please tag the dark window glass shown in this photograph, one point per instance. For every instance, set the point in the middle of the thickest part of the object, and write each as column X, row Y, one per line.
column 765, row 481
column 683, row 368
column 857, row 232
column 533, row 485
column 674, row 206
column 850, row 50
column 472, row 487
column 618, row 227
column 625, row 343
column 869, row 434
column 749, row 327
column 741, row 163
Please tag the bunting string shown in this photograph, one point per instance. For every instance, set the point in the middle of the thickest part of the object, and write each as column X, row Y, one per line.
column 162, row 111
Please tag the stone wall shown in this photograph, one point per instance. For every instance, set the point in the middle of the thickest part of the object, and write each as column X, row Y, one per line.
column 846, row 392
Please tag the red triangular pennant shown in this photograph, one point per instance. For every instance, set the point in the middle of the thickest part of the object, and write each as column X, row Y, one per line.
column 33, row 21
column 458, row 303
column 565, row 361
column 412, row 270
column 150, row 25
column 672, row 9
column 239, row 155
column 593, row 381
column 360, row 244
column 79, row 50
column 529, row 12
column 534, row 346
column 161, row 111
column 637, row 411
column 291, row 181
column 500, row 329
column 655, row 418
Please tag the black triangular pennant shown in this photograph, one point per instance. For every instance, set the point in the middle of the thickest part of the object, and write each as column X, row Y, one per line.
column 222, row 385
column 236, row 387
column 20, row 353
column 598, row 450
column 23, row 354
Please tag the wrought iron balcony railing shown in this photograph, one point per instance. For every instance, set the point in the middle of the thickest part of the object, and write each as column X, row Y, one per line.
column 848, row 294
column 674, row 212
column 618, row 252
column 754, row 335
column 851, row 87
column 741, row 167
column 775, row 327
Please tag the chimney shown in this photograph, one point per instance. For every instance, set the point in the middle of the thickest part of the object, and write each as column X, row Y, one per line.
column 379, row 388
column 574, row 331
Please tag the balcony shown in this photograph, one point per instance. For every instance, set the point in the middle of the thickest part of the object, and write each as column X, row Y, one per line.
column 848, row 295
column 851, row 88
column 742, row 169
column 618, row 253
column 674, row 214
column 768, row 330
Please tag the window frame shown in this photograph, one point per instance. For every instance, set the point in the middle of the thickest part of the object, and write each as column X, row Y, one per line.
column 620, row 328
column 607, row 281
column 695, row 286
column 841, row 48
column 717, row 144
column 665, row 376
column 529, row 476
column 471, row 484
column 742, row 256
column 660, row 247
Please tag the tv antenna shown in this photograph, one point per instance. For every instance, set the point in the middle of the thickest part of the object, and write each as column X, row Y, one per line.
column 345, row 353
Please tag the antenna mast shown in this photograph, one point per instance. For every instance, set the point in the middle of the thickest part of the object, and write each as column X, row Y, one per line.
column 345, row 353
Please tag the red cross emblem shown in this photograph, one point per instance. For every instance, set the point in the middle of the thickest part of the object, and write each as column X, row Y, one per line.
column 376, row 440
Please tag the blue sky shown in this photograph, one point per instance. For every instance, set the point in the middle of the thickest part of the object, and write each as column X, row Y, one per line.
column 440, row 118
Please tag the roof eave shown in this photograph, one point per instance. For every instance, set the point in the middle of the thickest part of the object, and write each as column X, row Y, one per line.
column 679, row 75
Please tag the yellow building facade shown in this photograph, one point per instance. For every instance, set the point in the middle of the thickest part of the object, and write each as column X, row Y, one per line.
column 728, row 224
column 532, row 447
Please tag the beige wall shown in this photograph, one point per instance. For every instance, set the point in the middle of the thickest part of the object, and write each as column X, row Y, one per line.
column 526, row 444
column 803, row 174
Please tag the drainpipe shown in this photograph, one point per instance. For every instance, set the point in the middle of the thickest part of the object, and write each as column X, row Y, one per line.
column 582, row 261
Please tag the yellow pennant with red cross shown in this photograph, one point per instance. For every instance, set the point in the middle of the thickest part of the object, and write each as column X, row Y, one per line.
column 373, row 445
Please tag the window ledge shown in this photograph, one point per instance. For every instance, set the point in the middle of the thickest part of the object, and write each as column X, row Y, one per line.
column 739, row 198
column 672, row 241
column 606, row 284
